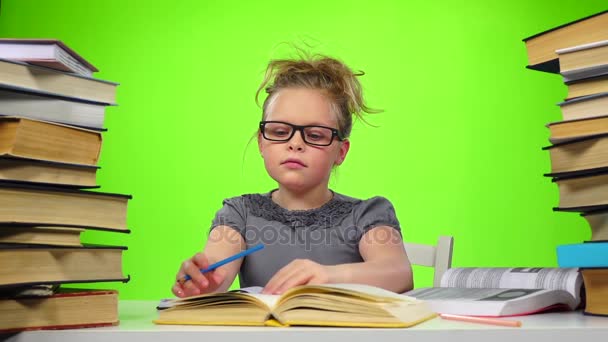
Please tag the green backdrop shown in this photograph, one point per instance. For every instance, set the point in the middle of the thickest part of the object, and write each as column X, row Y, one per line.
column 457, row 150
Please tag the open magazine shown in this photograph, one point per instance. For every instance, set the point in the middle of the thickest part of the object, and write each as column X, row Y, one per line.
column 479, row 291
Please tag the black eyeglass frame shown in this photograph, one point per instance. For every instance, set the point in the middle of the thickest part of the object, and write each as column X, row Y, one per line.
column 334, row 132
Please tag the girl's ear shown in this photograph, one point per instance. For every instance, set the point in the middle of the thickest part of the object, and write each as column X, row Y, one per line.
column 344, row 147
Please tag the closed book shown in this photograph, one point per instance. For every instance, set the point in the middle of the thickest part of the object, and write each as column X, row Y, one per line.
column 596, row 287
column 340, row 305
column 578, row 156
column 591, row 55
column 38, row 264
column 41, row 106
column 541, row 47
column 40, row 235
column 22, row 76
column 589, row 254
column 38, row 205
column 43, row 172
column 589, row 85
column 585, row 190
column 585, row 106
column 563, row 131
column 27, row 138
column 66, row 309
column 51, row 53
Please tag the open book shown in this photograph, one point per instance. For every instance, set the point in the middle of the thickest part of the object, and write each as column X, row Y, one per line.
column 503, row 291
column 348, row 305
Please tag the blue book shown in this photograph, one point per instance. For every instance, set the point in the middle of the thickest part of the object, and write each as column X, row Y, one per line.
column 589, row 254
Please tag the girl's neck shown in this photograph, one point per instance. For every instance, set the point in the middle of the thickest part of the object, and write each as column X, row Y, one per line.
column 293, row 200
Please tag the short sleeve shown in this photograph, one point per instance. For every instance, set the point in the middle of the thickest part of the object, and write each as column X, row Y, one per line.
column 232, row 214
column 375, row 212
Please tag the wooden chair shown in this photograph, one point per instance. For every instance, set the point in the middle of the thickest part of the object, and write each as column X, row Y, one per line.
column 437, row 256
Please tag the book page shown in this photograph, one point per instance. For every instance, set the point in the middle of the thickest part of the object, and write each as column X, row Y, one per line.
column 568, row 279
column 249, row 289
column 370, row 290
column 470, row 294
column 248, row 294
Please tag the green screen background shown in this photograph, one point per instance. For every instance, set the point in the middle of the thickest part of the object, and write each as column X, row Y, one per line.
column 457, row 150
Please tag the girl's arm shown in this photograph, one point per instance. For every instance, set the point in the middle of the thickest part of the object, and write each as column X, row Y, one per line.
column 223, row 242
column 385, row 265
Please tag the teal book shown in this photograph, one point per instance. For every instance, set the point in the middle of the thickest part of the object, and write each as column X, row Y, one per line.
column 588, row 254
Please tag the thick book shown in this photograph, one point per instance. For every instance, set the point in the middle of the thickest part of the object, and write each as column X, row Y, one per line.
column 40, row 235
column 588, row 254
column 27, row 138
column 66, row 309
column 596, row 288
column 40, row 106
column 563, row 131
column 499, row 292
column 582, row 107
column 46, row 172
column 51, row 53
column 584, row 190
column 586, row 86
column 541, row 47
column 581, row 57
column 340, row 305
column 577, row 156
column 38, row 264
column 38, row 205
column 26, row 77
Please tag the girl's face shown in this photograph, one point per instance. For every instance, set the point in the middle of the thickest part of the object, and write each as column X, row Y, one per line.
column 294, row 164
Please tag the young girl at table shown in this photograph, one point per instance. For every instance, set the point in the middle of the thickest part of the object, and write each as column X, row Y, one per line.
column 311, row 234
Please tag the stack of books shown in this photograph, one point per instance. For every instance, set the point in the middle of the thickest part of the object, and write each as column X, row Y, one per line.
column 51, row 124
column 579, row 143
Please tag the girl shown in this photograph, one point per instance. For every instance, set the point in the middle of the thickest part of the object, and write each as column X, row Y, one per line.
column 311, row 234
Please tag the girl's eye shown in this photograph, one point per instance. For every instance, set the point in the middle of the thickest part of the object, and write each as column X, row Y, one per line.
column 280, row 132
column 315, row 136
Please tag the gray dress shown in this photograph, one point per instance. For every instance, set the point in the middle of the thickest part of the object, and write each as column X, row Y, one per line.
column 328, row 235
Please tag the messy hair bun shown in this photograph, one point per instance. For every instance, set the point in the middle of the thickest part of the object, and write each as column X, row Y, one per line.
column 327, row 74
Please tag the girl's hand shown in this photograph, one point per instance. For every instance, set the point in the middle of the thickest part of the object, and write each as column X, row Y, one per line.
column 199, row 283
column 298, row 272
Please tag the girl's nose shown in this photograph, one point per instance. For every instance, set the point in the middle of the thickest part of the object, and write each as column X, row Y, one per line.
column 296, row 142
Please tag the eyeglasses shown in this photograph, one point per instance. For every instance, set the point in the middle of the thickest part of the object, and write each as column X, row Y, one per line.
column 313, row 135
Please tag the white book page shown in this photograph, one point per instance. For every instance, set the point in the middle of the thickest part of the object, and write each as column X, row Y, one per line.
column 442, row 293
column 568, row 279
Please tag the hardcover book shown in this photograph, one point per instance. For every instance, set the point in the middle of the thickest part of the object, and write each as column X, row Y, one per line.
column 26, row 77
column 27, row 138
column 66, row 309
column 39, row 205
column 541, row 47
column 23, row 265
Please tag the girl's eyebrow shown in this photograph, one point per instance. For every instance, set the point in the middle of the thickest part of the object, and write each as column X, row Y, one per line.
column 314, row 123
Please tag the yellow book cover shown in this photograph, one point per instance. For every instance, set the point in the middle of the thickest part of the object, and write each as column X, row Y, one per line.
column 336, row 305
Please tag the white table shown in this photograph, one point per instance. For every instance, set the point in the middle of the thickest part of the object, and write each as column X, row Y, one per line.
column 136, row 325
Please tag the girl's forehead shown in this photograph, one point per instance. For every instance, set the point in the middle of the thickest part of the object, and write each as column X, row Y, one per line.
column 301, row 106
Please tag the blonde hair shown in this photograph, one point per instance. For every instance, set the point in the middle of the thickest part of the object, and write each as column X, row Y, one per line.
column 331, row 76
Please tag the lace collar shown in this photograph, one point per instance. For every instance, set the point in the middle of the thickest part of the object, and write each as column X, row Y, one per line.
column 328, row 215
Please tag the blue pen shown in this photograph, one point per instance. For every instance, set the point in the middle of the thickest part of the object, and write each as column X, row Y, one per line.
column 227, row 260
